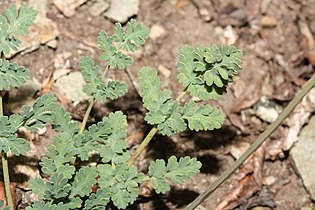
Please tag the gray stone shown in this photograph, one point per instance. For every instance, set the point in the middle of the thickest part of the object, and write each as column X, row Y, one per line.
column 98, row 7
column 267, row 110
column 71, row 86
column 303, row 156
column 122, row 10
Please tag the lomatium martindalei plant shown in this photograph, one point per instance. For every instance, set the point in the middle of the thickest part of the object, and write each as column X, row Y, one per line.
column 204, row 72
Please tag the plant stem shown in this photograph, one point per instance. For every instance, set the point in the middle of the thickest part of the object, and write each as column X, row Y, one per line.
column 143, row 144
column 150, row 135
column 92, row 100
column 261, row 139
column 87, row 114
column 5, row 169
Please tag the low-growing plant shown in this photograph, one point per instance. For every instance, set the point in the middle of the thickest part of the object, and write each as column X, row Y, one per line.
column 204, row 72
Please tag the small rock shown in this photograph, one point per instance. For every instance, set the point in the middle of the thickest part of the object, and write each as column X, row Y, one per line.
column 52, row 43
column 157, row 32
column 68, row 7
column 228, row 36
column 71, row 86
column 166, row 72
column 122, row 10
column 98, row 7
column 237, row 17
column 269, row 180
column 59, row 73
column 267, row 21
column 303, row 156
column 267, row 110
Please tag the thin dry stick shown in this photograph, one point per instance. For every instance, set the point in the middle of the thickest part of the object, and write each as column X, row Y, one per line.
column 261, row 139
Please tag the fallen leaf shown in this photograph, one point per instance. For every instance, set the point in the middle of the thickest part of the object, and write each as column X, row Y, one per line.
column 246, row 182
column 3, row 196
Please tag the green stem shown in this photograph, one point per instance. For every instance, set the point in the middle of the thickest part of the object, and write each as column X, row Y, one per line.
column 261, row 139
column 143, row 145
column 150, row 135
column 5, row 169
column 92, row 100
column 87, row 114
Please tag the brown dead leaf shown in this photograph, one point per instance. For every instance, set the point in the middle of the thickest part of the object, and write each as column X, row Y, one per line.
column 180, row 4
column 3, row 196
column 298, row 118
column 246, row 182
column 308, row 43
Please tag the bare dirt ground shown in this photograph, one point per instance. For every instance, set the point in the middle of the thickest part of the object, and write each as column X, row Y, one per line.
column 277, row 62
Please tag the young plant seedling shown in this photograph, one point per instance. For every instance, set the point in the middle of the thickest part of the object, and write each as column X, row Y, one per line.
column 204, row 71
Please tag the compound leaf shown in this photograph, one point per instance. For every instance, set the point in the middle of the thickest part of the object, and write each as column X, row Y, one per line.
column 135, row 35
column 98, row 200
column 14, row 144
column 57, row 187
column 15, row 23
column 204, row 117
column 40, row 114
column 111, row 54
column 95, row 85
column 11, row 74
column 122, row 181
column 9, row 141
column 83, row 182
column 175, row 171
column 38, row 187
column 163, row 111
column 62, row 122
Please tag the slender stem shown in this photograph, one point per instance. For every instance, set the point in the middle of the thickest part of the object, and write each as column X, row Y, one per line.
column 92, row 100
column 87, row 114
column 150, row 135
column 261, row 139
column 5, row 169
column 181, row 95
column 143, row 144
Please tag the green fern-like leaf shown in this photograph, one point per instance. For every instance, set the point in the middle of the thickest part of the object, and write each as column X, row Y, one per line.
column 11, row 74
column 122, row 181
column 98, row 200
column 40, row 114
column 175, row 171
column 106, row 138
column 9, row 141
column 57, row 187
column 206, row 71
column 62, row 122
column 163, row 111
column 84, row 180
column 203, row 117
column 96, row 86
column 135, row 35
column 15, row 23
column 111, row 54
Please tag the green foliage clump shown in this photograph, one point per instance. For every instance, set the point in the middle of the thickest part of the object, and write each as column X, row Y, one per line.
column 73, row 182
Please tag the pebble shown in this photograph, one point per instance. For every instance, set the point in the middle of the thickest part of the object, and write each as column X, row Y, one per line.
column 98, row 7
column 165, row 71
column 71, row 85
column 268, row 22
column 267, row 110
column 303, row 156
column 157, row 32
column 122, row 10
